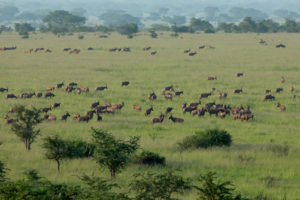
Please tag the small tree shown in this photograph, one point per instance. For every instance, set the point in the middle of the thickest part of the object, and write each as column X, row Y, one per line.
column 112, row 153
column 56, row 149
column 152, row 186
column 212, row 190
column 23, row 28
column 153, row 34
column 24, row 128
column 128, row 29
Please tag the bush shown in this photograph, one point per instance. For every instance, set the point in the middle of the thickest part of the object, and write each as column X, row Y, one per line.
column 209, row 31
column 129, row 36
column 153, row 34
column 150, row 158
column 25, row 36
column 80, row 37
column 174, row 35
column 205, row 139
column 79, row 149
column 103, row 36
column 210, row 188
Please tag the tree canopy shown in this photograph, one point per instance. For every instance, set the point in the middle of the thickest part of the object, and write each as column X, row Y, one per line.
column 61, row 21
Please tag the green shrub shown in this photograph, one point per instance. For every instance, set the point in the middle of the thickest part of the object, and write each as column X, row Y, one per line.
column 129, row 36
column 25, row 36
column 205, row 139
column 209, row 31
column 103, row 36
column 79, row 149
column 150, row 158
column 80, row 37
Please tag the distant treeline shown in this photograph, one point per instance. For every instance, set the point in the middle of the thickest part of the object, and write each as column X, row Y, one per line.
column 62, row 22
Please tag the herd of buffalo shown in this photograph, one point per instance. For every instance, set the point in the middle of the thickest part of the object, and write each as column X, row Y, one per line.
column 194, row 108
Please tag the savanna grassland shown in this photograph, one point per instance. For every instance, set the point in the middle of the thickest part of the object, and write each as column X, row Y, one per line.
column 265, row 154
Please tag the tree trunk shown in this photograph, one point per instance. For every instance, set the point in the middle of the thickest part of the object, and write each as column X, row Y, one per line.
column 112, row 174
column 58, row 165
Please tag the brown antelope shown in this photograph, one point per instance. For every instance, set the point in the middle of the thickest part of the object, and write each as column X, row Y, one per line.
column 211, row 78
column 282, row 80
column 159, row 119
column 76, row 116
column 50, row 88
column 282, row 107
column 136, row 107
column 292, row 89
column 168, row 95
column 222, row 95
column 152, row 96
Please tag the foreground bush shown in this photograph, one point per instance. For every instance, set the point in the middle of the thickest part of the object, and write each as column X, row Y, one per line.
column 211, row 189
column 205, row 139
column 150, row 158
column 152, row 186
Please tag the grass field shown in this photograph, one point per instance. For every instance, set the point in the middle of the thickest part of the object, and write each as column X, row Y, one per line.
column 254, row 163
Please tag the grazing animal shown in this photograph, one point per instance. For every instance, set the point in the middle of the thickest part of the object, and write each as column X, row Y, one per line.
column 118, row 106
column 3, row 89
column 282, row 80
column 281, row 107
column 59, row 85
column 49, row 94
column 10, row 96
column 79, row 90
column 280, row 46
column 204, row 95
column 183, row 106
column 94, row 105
column 246, row 117
column 55, row 105
column 11, row 110
column 51, row 118
column 101, row 88
column 83, row 119
column 195, row 104
column 76, row 116
column 66, row 49
column 292, row 89
column 126, row 49
column 28, row 51
column 26, row 95
column 175, row 119
column 192, row 53
column 45, row 110
column 99, row 118
column 168, row 110
column 72, row 84
column 187, row 51
column 69, row 89
column 189, row 109
column 278, row 90
column 146, row 48
column 48, row 51
column 267, row 91
column 269, row 97
column 169, row 88
column 201, row 47
column 65, row 116
column 294, row 96
column 222, row 115
column 10, row 120
column 148, row 111
column 153, row 52
column 168, row 95
column 237, row 91
column 136, row 107
column 159, row 119
column 211, row 78
column 239, row 74
column 222, row 95
column 90, row 48
column 152, row 96
column 125, row 83
column 178, row 93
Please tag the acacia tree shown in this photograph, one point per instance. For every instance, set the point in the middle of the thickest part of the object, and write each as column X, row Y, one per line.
column 55, row 149
column 151, row 186
column 112, row 153
column 61, row 21
column 24, row 128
